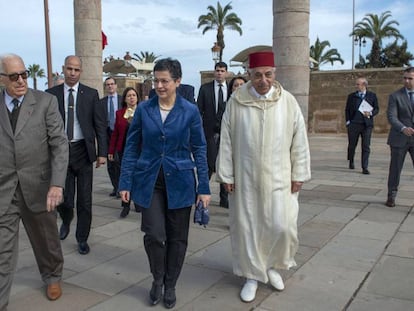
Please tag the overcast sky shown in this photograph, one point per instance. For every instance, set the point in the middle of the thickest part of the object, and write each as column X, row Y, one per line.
column 169, row 28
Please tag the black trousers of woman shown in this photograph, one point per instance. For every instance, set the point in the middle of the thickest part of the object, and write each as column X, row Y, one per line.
column 166, row 236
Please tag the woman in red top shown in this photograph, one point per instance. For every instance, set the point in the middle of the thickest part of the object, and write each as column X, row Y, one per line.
column 124, row 116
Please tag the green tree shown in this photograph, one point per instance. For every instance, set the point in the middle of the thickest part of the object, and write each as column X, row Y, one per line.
column 36, row 72
column 218, row 19
column 395, row 55
column 149, row 57
column 322, row 56
column 377, row 28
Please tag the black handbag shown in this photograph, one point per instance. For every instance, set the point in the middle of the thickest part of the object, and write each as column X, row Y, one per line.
column 201, row 215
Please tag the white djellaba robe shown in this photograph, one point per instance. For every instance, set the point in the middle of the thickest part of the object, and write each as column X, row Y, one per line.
column 263, row 148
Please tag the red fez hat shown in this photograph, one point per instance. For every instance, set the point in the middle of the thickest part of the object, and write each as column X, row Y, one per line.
column 261, row 59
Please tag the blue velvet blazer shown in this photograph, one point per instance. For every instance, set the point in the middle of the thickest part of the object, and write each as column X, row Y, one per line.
column 178, row 145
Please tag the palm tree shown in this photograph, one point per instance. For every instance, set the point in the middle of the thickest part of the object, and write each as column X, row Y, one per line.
column 220, row 19
column 396, row 55
column 36, row 72
column 318, row 53
column 376, row 28
column 149, row 57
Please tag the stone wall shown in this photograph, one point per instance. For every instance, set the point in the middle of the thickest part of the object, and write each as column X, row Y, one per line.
column 329, row 90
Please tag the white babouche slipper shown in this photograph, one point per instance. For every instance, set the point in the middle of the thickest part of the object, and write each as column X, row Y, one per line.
column 248, row 292
column 275, row 279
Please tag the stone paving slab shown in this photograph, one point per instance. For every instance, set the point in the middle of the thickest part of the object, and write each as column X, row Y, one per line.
column 354, row 252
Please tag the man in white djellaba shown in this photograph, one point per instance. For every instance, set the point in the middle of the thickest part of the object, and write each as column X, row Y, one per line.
column 263, row 161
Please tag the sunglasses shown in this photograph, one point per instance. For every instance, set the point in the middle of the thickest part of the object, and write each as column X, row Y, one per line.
column 15, row 76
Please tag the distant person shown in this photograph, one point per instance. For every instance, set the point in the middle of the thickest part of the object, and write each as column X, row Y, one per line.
column 185, row 90
column 400, row 115
column 263, row 160
column 234, row 84
column 86, row 124
column 361, row 107
column 130, row 99
column 164, row 171
column 112, row 102
column 211, row 102
column 34, row 159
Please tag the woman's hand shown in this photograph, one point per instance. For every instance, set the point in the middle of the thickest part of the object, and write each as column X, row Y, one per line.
column 125, row 195
column 205, row 198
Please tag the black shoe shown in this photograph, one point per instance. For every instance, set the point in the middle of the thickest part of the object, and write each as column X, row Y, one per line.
column 390, row 202
column 64, row 231
column 137, row 208
column 351, row 165
column 169, row 298
column 113, row 193
column 224, row 204
column 365, row 171
column 83, row 248
column 155, row 294
column 124, row 212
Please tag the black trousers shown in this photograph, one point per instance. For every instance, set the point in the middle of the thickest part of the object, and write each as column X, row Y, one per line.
column 78, row 181
column 396, row 165
column 354, row 131
column 166, row 236
column 113, row 167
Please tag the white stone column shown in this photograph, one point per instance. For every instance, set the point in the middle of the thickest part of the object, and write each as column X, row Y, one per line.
column 88, row 41
column 291, row 48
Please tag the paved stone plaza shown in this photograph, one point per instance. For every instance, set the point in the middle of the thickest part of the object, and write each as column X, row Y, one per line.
column 355, row 253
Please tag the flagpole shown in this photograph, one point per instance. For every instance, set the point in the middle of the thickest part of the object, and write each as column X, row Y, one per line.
column 48, row 52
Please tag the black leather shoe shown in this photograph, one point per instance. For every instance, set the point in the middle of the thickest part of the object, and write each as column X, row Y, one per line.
column 169, row 298
column 224, row 204
column 365, row 171
column 83, row 248
column 113, row 193
column 124, row 212
column 64, row 231
column 137, row 208
column 155, row 294
column 390, row 202
column 351, row 165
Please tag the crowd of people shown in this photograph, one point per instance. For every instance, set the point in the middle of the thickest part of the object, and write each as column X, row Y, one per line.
column 161, row 154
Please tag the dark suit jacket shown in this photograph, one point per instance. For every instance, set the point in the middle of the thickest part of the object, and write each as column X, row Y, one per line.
column 400, row 114
column 92, row 118
column 36, row 154
column 104, row 102
column 206, row 103
column 119, row 133
column 178, row 146
column 352, row 113
column 185, row 90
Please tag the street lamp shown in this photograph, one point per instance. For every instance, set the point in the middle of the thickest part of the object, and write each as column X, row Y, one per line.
column 215, row 51
column 360, row 41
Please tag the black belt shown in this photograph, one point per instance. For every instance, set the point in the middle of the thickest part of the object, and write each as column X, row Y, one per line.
column 76, row 142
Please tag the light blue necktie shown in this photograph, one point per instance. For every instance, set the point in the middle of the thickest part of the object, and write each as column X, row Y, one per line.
column 111, row 113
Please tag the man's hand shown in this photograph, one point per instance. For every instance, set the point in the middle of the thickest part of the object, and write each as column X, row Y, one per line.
column 54, row 197
column 296, row 186
column 229, row 187
column 100, row 161
column 125, row 196
column 408, row 131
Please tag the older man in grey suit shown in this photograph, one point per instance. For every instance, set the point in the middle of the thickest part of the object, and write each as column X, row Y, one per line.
column 33, row 171
column 400, row 115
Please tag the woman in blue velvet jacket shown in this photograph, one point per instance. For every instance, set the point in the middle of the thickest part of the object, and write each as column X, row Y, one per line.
column 164, row 170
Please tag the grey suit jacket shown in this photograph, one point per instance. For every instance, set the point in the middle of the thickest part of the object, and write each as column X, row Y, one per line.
column 36, row 155
column 400, row 114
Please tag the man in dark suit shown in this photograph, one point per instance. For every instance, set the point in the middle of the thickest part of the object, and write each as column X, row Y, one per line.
column 211, row 102
column 361, row 107
column 86, row 124
column 400, row 115
column 33, row 165
column 185, row 90
column 112, row 102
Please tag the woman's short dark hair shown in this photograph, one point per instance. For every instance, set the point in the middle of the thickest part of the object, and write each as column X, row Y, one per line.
column 173, row 66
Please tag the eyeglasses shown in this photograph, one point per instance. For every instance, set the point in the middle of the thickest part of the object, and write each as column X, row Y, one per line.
column 163, row 82
column 15, row 76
